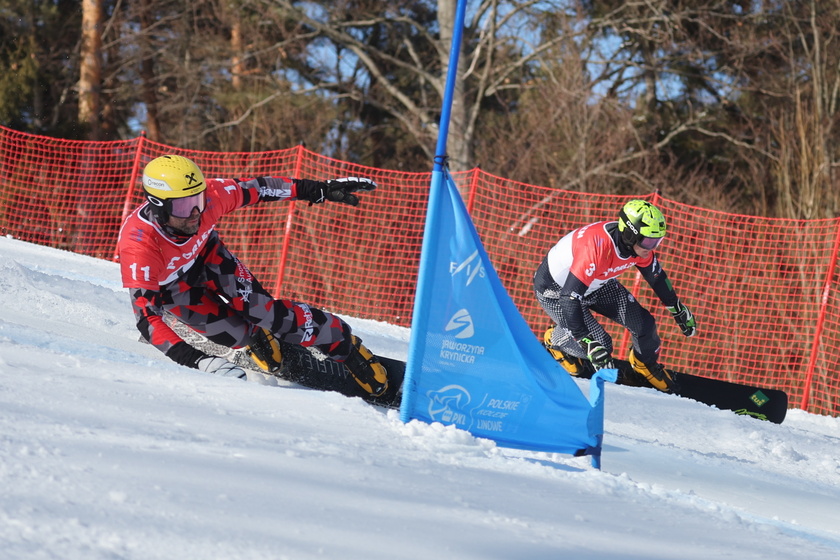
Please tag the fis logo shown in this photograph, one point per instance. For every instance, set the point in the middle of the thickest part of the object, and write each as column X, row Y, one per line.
column 461, row 322
column 471, row 266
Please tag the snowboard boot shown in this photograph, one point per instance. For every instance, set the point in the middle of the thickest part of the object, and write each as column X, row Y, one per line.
column 578, row 367
column 655, row 374
column 366, row 369
column 265, row 351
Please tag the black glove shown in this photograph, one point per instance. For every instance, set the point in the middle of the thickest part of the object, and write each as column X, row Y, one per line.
column 684, row 318
column 339, row 190
column 597, row 354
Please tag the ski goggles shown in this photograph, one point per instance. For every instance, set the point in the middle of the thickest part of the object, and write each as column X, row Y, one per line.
column 183, row 207
column 649, row 243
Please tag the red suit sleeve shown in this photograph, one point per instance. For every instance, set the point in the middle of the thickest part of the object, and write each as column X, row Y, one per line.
column 149, row 315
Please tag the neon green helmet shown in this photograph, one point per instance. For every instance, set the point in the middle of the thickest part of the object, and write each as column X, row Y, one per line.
column 640, row 222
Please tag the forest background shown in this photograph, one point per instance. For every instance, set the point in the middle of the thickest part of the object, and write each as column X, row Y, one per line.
column 726, row 105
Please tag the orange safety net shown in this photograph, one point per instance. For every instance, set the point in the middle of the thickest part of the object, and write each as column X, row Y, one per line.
column 763, row 290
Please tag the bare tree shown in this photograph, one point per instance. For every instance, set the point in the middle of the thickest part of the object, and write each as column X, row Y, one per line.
column 392, row 58
column 728, row 104
column 801, row 139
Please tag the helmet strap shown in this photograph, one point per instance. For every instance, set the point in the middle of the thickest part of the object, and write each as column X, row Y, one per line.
column 624, row 250
column 161, row 216
column 157, row 210
column 175, row 234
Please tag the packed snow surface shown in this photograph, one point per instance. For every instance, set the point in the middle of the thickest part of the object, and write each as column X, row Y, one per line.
column 110, row 450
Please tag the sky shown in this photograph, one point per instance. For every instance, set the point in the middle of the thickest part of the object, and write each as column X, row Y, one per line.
column 108, row 450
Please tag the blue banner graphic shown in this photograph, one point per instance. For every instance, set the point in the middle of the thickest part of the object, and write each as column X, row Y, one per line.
column 473, row 360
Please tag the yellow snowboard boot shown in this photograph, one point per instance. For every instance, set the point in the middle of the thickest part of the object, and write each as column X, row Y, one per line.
column 265, row 351
column 655, row 374
column 574, row 365
column 366, row 369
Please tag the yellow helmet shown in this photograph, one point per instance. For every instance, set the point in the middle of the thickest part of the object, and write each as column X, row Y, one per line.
column 174, row 185
column 172, row 177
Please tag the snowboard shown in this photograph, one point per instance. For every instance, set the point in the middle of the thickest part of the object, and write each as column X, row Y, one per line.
column 311, row 368
column 302, row 366
column 307, row 368
column 746, row 400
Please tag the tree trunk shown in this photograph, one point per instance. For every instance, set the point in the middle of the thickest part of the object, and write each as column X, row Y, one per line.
column 90, row 67
column 237, row 66
column 458, row 145
column 148, row 77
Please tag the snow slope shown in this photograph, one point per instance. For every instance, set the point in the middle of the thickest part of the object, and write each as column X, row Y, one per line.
column 109, row 450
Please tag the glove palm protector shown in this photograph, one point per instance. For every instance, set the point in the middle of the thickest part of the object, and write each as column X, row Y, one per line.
column 340, row 190
column 596, row 353
column 684, row 318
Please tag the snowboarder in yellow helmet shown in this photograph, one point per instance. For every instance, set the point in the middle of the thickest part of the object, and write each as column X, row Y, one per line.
column 173, row 261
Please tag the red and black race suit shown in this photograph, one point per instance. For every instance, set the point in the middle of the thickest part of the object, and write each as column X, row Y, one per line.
column 199, row 281
column 579, row 275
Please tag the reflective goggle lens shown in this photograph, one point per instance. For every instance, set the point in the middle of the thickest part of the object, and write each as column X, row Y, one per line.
column 183, row 207
column 650, row 243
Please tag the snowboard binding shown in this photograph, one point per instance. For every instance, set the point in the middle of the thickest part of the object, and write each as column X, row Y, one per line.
column 265, row 351
column 577, row 367
column 366, row 369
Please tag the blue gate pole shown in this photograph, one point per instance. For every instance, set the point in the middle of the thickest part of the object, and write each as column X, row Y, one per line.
column 419, row 321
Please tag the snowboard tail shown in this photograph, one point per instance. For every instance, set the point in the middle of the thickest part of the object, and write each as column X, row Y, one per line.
column 743, row 399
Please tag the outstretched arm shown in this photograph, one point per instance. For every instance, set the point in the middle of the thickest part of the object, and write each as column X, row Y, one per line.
column 267, row 189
